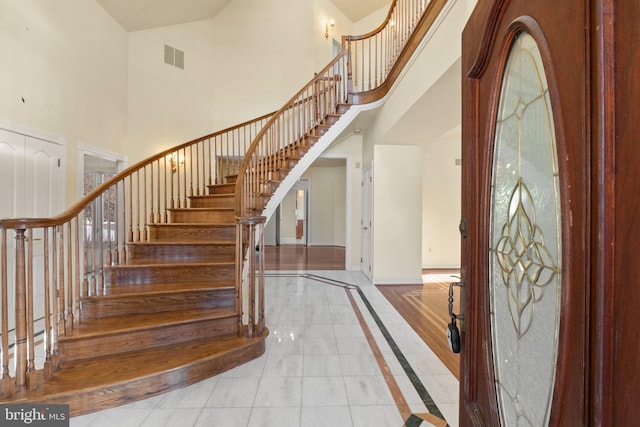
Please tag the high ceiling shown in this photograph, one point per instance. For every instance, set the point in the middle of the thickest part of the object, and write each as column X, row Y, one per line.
column 136, row 15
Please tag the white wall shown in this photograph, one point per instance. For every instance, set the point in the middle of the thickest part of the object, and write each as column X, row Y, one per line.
column 64, row 72
column 441, row 201
column 397, row 214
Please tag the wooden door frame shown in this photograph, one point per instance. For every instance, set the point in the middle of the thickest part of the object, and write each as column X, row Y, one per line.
column 50, row 138
column 85, row 149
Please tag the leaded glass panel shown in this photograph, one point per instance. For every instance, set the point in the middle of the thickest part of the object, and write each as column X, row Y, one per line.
column 525, row 241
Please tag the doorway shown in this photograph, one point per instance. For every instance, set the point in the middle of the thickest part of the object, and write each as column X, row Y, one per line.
column 99, row 219
column 302, row 212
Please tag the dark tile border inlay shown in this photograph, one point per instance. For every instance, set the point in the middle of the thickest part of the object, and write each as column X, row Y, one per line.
column 406, row 366
column 413, row 421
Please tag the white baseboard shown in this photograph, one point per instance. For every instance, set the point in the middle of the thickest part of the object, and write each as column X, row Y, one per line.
column 288, row 241
column 413, row 280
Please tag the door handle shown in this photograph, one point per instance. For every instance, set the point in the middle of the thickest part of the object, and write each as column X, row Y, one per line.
column 365, row 228
column 453, row 333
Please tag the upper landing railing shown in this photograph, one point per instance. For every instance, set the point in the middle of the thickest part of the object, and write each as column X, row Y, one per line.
column 49, row 264
column 362, row 72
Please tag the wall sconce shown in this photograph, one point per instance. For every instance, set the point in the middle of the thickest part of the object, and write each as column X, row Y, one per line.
column 175, row 161
column 328, row 26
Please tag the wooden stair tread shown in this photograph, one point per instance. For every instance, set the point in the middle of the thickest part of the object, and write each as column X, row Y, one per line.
column 158, row 288
column 120, row 324
column 199, row 209
column 105, row 382
column 144, row 362
column 185, row 243
column 191, row 224
column 135, row 264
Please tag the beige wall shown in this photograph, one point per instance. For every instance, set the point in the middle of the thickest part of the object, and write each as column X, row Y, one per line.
column 68, row 60
column 327, row 207
column 350, row 148
column 288, row 218
column 441, row 201
column 324, row 11
column 437, row 53
column 371, row 22
column 397, row 214
column 247, row 61
column 339, row 225
column 84, row 79
column 420, row 111
column 168, row 105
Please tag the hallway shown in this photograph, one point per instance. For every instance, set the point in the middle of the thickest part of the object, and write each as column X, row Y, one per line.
column 319, row 369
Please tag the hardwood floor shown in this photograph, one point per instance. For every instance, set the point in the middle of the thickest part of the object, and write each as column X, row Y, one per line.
column 300, row 257
column 425, row 308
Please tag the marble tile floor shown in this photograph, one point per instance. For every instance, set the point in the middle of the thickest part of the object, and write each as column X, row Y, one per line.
column 319, row 369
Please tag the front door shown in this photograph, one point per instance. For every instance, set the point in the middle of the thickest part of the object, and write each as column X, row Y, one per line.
column 524, row 221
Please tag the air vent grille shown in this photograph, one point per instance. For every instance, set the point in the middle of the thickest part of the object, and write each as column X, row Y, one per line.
column 173, row 56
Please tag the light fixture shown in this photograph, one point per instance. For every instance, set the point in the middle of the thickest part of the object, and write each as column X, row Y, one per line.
column 328, row 26
column 175, row 161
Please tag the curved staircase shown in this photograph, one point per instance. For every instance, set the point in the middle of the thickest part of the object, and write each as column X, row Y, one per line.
column 167, row 290
column 165, row 318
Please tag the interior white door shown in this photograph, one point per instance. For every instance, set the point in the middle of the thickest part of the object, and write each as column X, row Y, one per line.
column 42, row 192
column 366, row 222
column 12, row 146
column 31, row 176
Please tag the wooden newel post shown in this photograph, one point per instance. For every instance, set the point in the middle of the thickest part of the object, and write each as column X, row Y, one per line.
column 347, row 40
column 251, row 258
column 21, row 311
column 7, row 382
column 261, row 321
column 239, row 265
column 251, row 297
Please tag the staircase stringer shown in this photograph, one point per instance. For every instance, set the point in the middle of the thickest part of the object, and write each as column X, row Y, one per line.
column 314, row 152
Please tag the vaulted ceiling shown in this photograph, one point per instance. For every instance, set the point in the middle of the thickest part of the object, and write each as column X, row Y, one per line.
column 136, row 15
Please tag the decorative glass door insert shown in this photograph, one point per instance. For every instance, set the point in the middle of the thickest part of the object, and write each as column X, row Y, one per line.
column 525, row 241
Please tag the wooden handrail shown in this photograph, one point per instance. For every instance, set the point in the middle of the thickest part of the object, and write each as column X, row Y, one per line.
column 74, row 210
column 433, row 9
column 292, row 103
column 397, row 38
column 381, row 27
column 77, row 247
